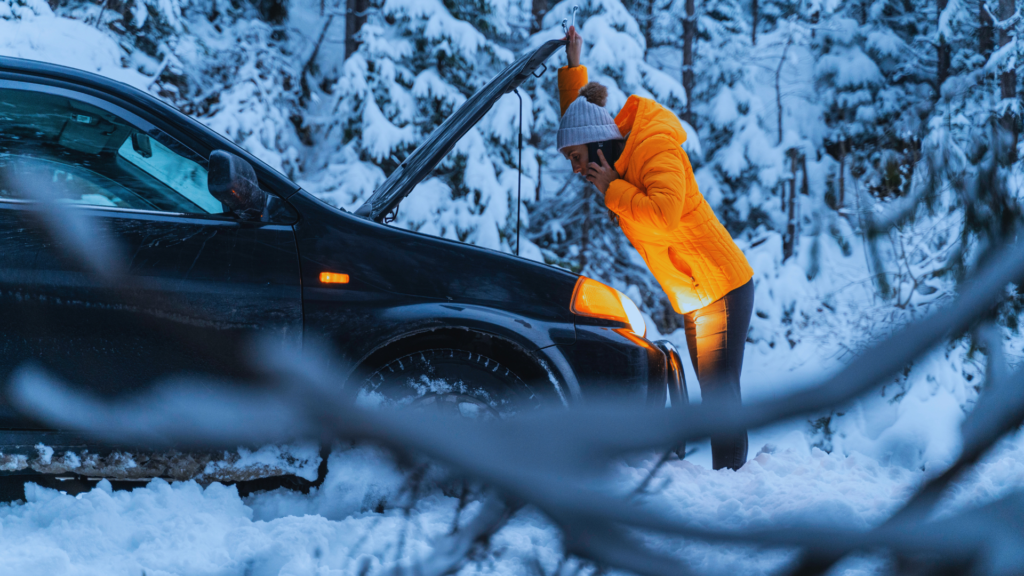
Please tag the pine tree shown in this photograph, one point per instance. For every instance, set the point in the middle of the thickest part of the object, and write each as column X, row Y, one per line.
column 18, row 9
column 415, row 64
column 878, row 97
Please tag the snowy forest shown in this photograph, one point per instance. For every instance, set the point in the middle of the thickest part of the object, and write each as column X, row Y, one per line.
column 864, row 154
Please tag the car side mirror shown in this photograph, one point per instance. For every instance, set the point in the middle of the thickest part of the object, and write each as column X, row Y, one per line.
column 233, row 181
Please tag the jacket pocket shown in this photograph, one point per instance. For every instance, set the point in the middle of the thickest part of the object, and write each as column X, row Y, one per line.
column 679, row 262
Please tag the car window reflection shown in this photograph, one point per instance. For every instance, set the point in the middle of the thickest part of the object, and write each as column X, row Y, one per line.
column 75, row 152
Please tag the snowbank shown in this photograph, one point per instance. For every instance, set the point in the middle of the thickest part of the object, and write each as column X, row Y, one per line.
column 357, row 519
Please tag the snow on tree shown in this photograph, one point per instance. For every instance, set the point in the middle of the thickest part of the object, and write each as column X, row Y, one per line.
column 416, row 63
column 31, row 29
column 18, row 9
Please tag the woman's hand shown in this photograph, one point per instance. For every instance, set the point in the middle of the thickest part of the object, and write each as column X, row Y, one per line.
column 601, row 175
column 573, row 46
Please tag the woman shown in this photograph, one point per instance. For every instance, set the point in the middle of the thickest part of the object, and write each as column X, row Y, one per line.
column 650, row 187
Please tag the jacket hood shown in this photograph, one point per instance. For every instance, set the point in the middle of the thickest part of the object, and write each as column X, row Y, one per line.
column 641, row 119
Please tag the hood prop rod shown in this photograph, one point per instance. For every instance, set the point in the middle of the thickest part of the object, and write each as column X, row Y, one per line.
column 519, row 192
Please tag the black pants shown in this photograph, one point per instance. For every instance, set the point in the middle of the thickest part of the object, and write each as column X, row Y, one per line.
column 716, row 335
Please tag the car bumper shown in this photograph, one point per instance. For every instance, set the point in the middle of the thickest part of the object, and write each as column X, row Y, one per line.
column 615, row 363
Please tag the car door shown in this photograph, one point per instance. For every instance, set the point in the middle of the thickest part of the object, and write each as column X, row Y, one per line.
column 199, row 286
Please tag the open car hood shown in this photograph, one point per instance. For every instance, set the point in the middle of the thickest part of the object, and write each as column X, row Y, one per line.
column 441, row 141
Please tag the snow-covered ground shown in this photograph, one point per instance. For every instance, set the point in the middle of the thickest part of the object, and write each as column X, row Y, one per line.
column 360, row 519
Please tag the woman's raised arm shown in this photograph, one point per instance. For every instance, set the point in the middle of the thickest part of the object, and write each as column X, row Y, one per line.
column 573, row 47
column 572, row 77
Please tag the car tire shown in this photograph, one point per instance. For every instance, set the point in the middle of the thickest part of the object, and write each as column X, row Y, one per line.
column 457, row 382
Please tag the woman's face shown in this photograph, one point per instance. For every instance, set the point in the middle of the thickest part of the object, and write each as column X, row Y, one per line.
column 577, row 155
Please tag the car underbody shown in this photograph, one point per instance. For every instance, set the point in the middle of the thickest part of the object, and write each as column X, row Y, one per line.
column 56, row 453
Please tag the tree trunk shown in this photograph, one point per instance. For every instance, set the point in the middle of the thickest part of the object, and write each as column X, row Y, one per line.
column 540, row 176
column 984, row 31
column 355, row 17
column 1008, row 79
column 753, row 25
column 805, row 184
column 778, row 86
column 648, row 22
column 789, row 239
column 943, row 54
column 540, row 8
column 311, row 68
column 842, row 174
column 689, row 37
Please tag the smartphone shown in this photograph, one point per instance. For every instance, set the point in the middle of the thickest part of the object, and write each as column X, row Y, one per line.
column 612, row 150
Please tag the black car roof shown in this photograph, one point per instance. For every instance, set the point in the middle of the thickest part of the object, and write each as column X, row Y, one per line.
column 52, row 74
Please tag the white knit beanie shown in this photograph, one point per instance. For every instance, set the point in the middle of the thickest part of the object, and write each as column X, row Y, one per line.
column 586, row 119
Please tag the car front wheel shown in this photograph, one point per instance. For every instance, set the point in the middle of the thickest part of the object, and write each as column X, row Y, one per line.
column 458, row 382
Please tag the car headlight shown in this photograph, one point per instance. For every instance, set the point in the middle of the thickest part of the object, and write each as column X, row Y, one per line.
column 596, row 300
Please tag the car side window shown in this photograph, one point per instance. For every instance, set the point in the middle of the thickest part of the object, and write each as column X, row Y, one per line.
column 56, row 147
column 175, row 171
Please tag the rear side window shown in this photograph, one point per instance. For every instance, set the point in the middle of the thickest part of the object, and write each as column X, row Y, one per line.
column 56, row 147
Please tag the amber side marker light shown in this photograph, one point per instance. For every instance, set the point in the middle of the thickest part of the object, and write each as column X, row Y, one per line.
column 333, row 278
column 596, row 300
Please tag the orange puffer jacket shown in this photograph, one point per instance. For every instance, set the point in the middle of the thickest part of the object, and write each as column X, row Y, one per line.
column 660, row 208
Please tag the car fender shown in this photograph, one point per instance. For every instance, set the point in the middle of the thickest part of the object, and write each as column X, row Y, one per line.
column 536, row 339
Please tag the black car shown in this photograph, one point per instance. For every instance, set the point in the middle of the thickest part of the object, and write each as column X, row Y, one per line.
column 216, row 248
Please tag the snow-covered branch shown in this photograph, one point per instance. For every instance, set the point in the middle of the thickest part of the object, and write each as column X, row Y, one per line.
column 555, row 461
column 998, row 24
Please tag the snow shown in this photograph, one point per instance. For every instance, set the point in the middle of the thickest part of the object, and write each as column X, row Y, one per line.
column 429, row 83
column 849, row 467
column 439, row 23
column 43, row 36
column 854, row 69
column 301, row 460
column 358, row 516
column 45, row 453
column 380, row 135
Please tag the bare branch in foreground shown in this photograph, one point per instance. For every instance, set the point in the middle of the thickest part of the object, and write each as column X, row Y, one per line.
column 532, row 459
column 308, row 389
column 560, row 461
column 74, row 231
column 998, row 412
column 452, row 551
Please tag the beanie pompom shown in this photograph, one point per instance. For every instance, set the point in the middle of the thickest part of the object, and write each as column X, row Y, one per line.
column 595, row 93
